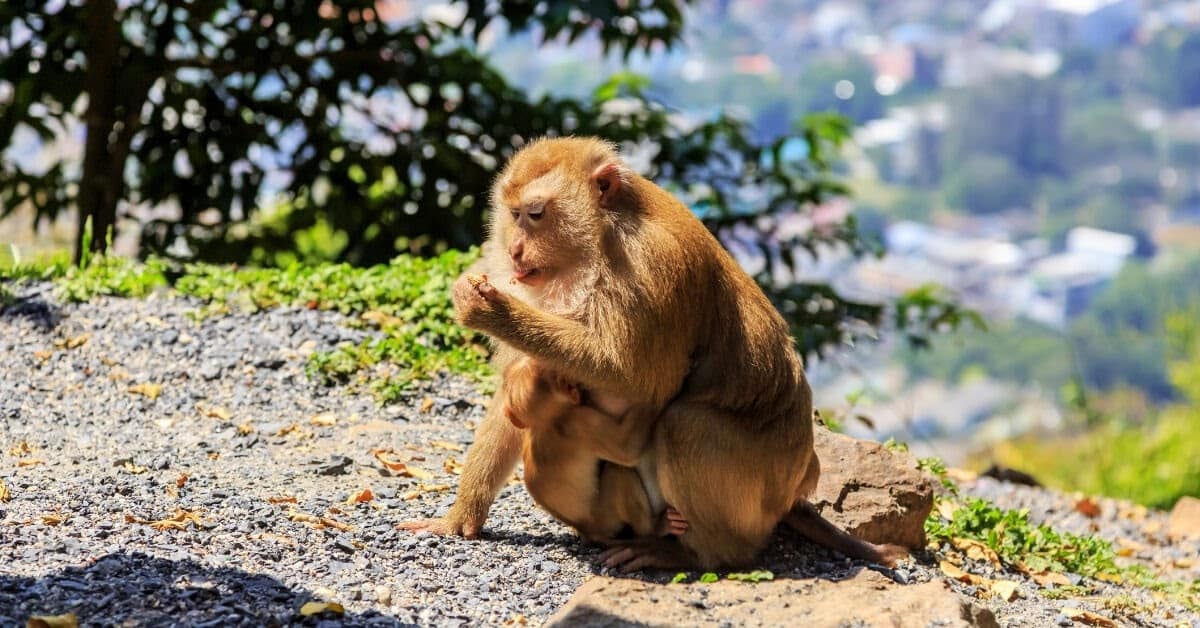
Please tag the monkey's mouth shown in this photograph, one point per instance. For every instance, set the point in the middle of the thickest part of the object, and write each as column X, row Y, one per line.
column 527, row 275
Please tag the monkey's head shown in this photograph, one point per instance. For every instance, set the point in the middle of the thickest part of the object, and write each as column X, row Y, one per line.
column 535, row 395
column 552, row 204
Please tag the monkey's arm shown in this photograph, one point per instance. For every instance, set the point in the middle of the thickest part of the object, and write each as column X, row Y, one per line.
column 574, row 349
column 620, row 440
column 490, row 461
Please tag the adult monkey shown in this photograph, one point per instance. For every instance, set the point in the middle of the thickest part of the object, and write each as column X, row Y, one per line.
column 618, row 286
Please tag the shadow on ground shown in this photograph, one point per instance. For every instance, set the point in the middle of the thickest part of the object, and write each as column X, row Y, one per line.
column 33, row 306
column 141, row 590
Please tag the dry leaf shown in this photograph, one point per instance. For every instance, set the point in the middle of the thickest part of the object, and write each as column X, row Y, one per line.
column 517, row 620
column 53, row 519
column 21, row 449
column 397, row 467
column 1088, row 617
column 324, row 420
column 53, row 621
column 1129, row 547
column 425, row 488
column 316, row 608
column 947, row 508
column 213, row 412
column 150, row 391
column 453, row 466
column 975, row 550
column 135, row 469
column 178, row 521
column 181, row 480
column 5, row 494
column 1088, row 507
column 1004, row 589
column 1183, row 563
column 245, row 429
column 72, row 343
column 30, row 462
column 1047, row 578
column 43, row 355
column 1110, row 577
column 282, row 499
column 448, row 446
column 318, row 522
column 961, row 475
column 427, row 404
column 213, row 455
column 1135, row 512
column 361, row 497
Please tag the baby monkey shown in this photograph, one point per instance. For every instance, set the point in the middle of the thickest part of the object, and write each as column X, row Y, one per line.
column 579, row 461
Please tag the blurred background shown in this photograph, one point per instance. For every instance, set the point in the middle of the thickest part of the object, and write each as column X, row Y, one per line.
column 982, row 218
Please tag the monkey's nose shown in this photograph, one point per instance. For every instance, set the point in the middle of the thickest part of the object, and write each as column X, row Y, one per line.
column 516, row 250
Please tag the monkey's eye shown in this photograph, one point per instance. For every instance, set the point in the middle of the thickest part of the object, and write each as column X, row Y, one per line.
column 516, row 214
column 535, row 211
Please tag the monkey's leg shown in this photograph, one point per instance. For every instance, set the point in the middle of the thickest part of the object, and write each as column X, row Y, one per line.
column 732, row 485
column 490, row 462
column 805, row 519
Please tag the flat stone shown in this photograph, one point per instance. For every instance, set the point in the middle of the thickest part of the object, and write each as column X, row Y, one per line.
column 867, row 598
column 870, row 491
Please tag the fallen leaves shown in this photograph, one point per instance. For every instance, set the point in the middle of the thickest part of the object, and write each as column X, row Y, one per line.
column 5, row 494
column 21, row 449
column 213, row 411
column 953, row 572
column 282, row 499
column 1088, row 618
column 426, row 405
column 67, row 620
column 452, row 466
column 1005, row 590
column 360, row 497
column 324, row 420
column 319, row 523
column 425, row 488
column 73, row 342
column 135, row 469
column 147, row 390
column 386, row 458
column 52, row 519
column 181, row 480
column 180, row 520
column 1087, row 507
column 448, row 446
column 976, row 550
column 30, row 462
column 1048, row 578
column 316, row 608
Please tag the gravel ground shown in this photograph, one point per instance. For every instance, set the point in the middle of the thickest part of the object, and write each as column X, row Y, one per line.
column 241, row 437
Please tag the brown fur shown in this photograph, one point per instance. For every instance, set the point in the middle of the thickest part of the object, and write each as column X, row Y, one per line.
column 577, row 459
column 637, row 301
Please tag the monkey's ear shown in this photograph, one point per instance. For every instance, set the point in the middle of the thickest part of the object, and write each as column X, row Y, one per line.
column 512, row 418
column 608, row 180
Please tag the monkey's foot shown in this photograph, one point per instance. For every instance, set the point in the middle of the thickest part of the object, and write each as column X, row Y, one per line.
column 442, row 526
column 630, row 556
column 671, row 522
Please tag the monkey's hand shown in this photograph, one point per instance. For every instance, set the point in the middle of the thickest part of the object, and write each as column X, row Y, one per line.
column 478, row 302
column 453, row 524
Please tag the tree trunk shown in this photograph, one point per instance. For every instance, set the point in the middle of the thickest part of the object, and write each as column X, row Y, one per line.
column 102, row 182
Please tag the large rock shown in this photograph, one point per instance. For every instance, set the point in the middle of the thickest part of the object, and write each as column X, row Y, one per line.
column 1185, row 520
column 874, row 493
column 866, row 599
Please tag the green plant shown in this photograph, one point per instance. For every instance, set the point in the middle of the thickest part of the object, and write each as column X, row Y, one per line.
column 1019, row 542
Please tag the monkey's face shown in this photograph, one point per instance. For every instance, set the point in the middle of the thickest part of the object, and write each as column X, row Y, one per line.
column 548, row 209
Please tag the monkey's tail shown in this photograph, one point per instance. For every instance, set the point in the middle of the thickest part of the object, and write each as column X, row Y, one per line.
column 805, row 519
